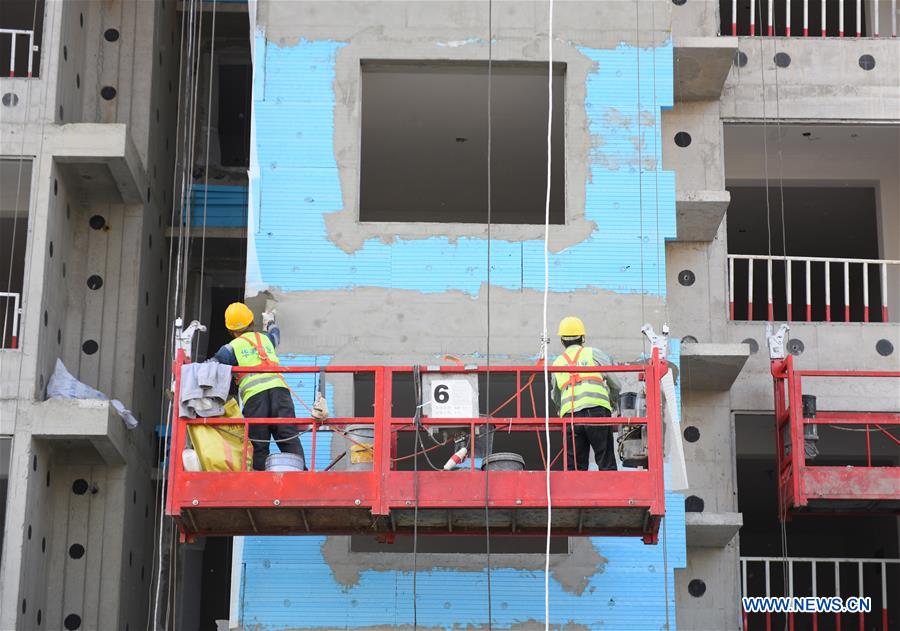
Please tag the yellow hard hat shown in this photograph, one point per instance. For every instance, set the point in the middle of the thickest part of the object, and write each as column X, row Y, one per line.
column 570, row 326
column 238, row 316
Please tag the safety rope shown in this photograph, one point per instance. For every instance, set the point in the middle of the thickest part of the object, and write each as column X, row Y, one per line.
column 212, row 57
column 488, row 437
column 545, row 339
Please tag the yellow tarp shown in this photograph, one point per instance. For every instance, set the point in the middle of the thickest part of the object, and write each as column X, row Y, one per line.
column 219, row 446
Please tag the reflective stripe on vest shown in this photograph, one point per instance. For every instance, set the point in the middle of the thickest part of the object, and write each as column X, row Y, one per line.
column 254, row 349
column 579, row 391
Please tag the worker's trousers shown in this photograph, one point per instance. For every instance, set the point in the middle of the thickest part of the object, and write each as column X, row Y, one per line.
column 272, row 403
column 583, row 437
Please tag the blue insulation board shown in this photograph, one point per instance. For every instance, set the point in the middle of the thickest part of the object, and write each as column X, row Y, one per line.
column 286, row 582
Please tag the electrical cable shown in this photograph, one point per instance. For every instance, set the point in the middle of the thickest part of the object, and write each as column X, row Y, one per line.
column 417, row 389
column 488, row 441
column 545, row 340
column 212, row 57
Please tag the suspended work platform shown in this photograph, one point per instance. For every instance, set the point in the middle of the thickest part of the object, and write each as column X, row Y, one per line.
column 808, row 486
column 404, row 487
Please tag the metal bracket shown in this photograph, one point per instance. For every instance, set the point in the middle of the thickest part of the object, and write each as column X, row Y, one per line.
column 777, row 341
column 661, row 341
column 184, row 337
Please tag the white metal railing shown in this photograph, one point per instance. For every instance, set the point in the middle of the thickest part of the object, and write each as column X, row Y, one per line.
column 32, row 48
column 815, row 566
column 768, row 6
column 807, row 262
column 10, row 320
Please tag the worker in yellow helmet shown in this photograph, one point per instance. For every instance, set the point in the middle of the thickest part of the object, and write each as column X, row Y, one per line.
column 584, row 394
column 263, row 395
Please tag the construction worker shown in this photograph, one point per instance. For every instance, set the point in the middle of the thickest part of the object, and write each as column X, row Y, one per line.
column 263, row 395
column 584, row 395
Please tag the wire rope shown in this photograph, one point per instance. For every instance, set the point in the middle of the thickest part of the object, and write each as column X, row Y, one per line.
column 488, row 437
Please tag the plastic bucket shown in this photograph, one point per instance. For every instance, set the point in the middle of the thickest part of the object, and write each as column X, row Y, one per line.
column 285, row 462
column 503, row 462
column 360, row 447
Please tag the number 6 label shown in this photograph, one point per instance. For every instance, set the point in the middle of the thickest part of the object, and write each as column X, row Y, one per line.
column 450, row 396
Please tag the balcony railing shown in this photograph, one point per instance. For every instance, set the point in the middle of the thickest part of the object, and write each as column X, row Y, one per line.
column 13, row 34
column 821, row 578
column 808, row 289
column 10, row 319
column 762, row 17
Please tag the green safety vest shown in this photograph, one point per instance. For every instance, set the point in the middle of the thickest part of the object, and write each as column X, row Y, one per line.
column 255, row 349
column 579, row 391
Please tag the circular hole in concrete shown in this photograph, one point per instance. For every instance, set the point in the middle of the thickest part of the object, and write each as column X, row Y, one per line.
column 150, row 241
column 146, row 298
column 691, row 434
column 29, row 532
column 134, row 497
column 24, row 605
column 97, row 222
column 72, row 622
column 689, row 339
column 686, row 277
column 884, row 347
column 51, row 249
column 740, row 59
column 62, row 113
column 55, row 186
column 76, row 551
column 77, row 80
column 129, row 558
column 753, row 344
column 59, row 336
column 64, row 270
column 65, row 53
column 48, row 478
column 682, row 139
column 782, row 60
column 867, row 62
column 39, row 617
column 45, row 317
column 80, row 486
column 81, row 20
column 90, row 347
column 43, row 544
column 795, row 347
column 34, row 463
column 679, row 3
column 94, row 281
column 111, row 35
column 696, row 588
column 693, row 504
column 10, row 99
column 108, row 92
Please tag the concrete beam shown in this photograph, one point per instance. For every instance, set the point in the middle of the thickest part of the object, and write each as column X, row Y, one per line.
column 86, row 421
column 701, row 66
column 712, row 366
column 699, row 214
column 102, row 161
column 712, row 530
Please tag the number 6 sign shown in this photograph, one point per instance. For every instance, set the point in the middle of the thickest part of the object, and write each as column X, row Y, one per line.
column 450, row 396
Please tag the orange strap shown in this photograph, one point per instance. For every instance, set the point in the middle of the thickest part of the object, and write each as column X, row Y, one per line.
column 263, row 357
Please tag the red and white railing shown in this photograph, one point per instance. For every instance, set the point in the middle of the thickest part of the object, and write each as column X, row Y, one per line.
column 743, row 266
column 769, row 23
column 32, row 49
column 825, row 580
column 10, row 319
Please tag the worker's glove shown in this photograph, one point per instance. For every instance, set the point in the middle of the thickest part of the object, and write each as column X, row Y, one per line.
column 268, row 319
column 320, row 409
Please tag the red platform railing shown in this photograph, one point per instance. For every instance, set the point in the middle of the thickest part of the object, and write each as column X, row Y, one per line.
column 388, row 499
column 833, row 489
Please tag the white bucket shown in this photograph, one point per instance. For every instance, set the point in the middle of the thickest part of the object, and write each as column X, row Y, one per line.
column 285, row 462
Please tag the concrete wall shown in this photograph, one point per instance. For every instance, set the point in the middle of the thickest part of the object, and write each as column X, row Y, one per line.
column 41, row 582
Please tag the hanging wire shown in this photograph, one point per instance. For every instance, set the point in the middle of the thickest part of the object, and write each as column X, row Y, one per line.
column 640, row 165
column 212, row 65
column 488, row 437
column 544, row 336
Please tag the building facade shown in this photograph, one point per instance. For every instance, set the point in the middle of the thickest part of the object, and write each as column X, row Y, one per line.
column 340, row 163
